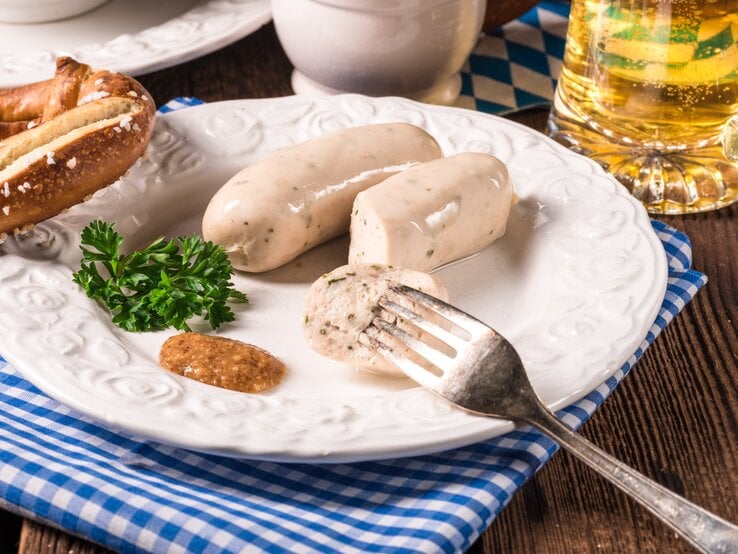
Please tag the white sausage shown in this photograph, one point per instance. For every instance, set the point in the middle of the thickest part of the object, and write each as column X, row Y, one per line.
column 432, row 213
column 278, row 208
column 342, row 303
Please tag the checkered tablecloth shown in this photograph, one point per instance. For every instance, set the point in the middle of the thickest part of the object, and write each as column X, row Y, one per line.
column 136, row 496
column 517, row 65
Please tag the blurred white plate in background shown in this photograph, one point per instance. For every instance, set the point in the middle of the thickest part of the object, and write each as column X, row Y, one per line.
column 130, row 36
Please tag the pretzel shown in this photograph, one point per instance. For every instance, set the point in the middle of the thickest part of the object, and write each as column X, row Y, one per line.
column 63, row 139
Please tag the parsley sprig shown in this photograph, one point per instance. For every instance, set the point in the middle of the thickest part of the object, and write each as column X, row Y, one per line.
column 162, row 285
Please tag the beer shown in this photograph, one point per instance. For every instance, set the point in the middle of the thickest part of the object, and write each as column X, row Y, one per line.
column 647, row 89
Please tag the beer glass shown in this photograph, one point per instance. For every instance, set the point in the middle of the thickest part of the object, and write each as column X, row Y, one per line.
column 649, row 89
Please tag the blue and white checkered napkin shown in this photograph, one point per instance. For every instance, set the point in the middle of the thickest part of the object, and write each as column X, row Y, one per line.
column 135, row 496
column 516, row 66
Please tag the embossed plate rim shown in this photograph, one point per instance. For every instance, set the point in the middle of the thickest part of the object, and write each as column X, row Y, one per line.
column 591, row 233
column 146, row 50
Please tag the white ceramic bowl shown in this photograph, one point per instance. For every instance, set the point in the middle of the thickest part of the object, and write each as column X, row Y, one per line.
column 411, row 48
column 39, row 11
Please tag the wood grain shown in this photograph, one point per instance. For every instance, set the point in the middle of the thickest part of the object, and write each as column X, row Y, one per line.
column 37, row 538
column 673, row 418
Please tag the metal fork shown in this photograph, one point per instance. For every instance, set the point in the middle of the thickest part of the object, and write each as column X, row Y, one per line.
column 469, row 364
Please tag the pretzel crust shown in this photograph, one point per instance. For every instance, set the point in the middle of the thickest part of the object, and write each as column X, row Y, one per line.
column 86, row 130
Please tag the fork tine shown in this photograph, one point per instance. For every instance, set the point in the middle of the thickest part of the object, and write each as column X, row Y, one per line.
column 438, row 359
column 422, row 323
column 453, row 314
column 371, row 339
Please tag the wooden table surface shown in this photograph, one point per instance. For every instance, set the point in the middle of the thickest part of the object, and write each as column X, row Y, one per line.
column 674, row 418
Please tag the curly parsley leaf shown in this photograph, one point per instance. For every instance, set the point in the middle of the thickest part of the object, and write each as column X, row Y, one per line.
column 162, row 285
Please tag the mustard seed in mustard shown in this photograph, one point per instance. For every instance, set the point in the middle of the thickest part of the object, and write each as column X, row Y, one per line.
column 222, row 362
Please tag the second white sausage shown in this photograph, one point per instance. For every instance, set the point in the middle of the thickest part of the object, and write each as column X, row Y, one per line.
column 432, row 213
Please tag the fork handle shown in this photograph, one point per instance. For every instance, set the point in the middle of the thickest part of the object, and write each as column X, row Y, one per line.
column 705, row 531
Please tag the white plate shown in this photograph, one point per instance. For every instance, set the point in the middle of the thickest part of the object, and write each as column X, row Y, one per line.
column 130, row 36
column 575, row 284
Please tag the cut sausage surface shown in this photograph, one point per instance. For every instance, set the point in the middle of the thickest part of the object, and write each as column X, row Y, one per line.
column 342, row 303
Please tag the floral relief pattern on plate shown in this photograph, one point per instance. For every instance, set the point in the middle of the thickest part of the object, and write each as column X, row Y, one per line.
column 575, row 284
